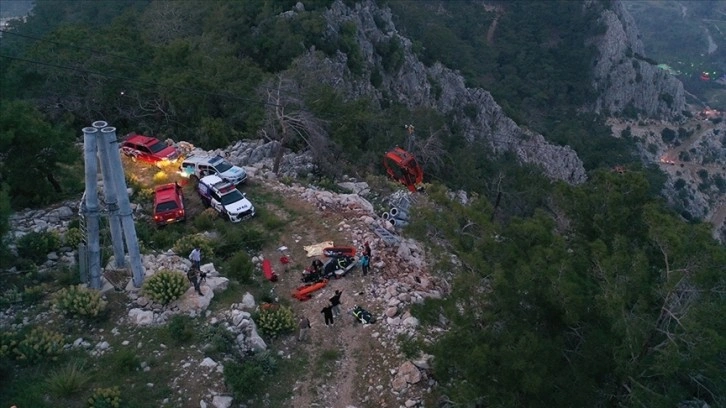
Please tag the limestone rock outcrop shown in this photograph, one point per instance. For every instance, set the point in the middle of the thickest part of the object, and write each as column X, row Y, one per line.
column 436, row 87
column 623, row 77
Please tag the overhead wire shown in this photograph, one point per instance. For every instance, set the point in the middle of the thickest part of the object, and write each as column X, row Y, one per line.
column 141, row 81
column 96, row 51
column 493, row 140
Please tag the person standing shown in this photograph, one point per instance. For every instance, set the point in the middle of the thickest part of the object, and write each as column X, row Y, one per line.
column 194, row 279
column 365, row 264
column 335, row 303
column 196, row 257
column 328, row 313
column 304, row 327
column 367, row 250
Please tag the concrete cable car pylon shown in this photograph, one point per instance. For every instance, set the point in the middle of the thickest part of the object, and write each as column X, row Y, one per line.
column 99, row 142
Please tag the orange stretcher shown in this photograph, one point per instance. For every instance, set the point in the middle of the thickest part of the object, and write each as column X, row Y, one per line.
column 305, row 292
column 268, row 272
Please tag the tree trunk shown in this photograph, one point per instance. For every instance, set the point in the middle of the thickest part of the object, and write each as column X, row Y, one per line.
column 278, row 157
column 281, row 148
column 56, row 186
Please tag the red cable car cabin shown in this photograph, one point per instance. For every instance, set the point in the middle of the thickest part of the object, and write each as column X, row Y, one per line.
column 403, row 167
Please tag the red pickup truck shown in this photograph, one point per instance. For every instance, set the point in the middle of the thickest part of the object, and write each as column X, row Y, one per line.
column 168, row 204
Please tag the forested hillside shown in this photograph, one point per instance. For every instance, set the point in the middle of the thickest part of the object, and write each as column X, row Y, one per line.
column 561, row 295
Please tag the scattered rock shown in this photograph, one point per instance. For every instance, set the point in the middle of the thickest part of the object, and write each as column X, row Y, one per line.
column 141, row 317
column 208, row 362
column 222, row 401
column 248, row 302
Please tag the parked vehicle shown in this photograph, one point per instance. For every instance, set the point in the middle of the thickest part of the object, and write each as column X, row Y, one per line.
column 201, row 166
column 148, row 149
column 225, row 198
column 168, row 204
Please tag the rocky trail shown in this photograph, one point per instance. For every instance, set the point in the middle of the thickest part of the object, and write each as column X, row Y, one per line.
column 352, row 365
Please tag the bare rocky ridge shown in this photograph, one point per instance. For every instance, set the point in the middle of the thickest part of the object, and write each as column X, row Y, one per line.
column 437, row 87
column 622, row 74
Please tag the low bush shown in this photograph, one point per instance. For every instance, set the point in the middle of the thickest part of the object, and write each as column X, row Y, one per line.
column 67, row 380
column 66, row 276
column 105, row 398
column 239, row 267
column 180, row 330
column 73, row 237
column 275, row 322
column 205, row 220
column 124, row 361
column 165, row 286
column 220, row 341
column 39, row 344
column 247, row 379
column 9, row 296
column 79, row 301
column 410, row 346
column 184, row 245
column 34, row 293
column 36, row 245
column 8, row 342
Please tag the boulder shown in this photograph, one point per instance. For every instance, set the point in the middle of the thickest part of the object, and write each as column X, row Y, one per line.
column 408, row 373
column 141, row 317
column 255, row 342
column 217, row 284
column 238, row 316
column 410, row 322
column 209, row 269
column 222, row 401
column 208, row 362
column 248, row 301
column 191, row 301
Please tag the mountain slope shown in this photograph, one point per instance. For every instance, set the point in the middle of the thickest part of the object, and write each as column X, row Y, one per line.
column 626, row 81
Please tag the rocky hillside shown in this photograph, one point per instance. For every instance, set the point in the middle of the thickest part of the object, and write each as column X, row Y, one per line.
column 408, row 81
column 625, row 79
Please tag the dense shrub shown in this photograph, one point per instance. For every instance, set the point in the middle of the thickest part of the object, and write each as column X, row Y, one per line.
column 10, row 295
column 205, row 220
column 8, row 342
column 39, row 344
column 180, row 329
column 32, row 294
column 73, row 237
column 184, row 245
column 79, row 301
column 239, row 267
column 220, row 341
column 275, row 322
column 36, row 245
column 124, row 361
column 165, row 286
column 668, row 135
column 235, row 238
column 105, row 398
column 247, row 378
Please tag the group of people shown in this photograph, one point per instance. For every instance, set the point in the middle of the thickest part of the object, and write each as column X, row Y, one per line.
column 332, row 309
column 330, row 312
